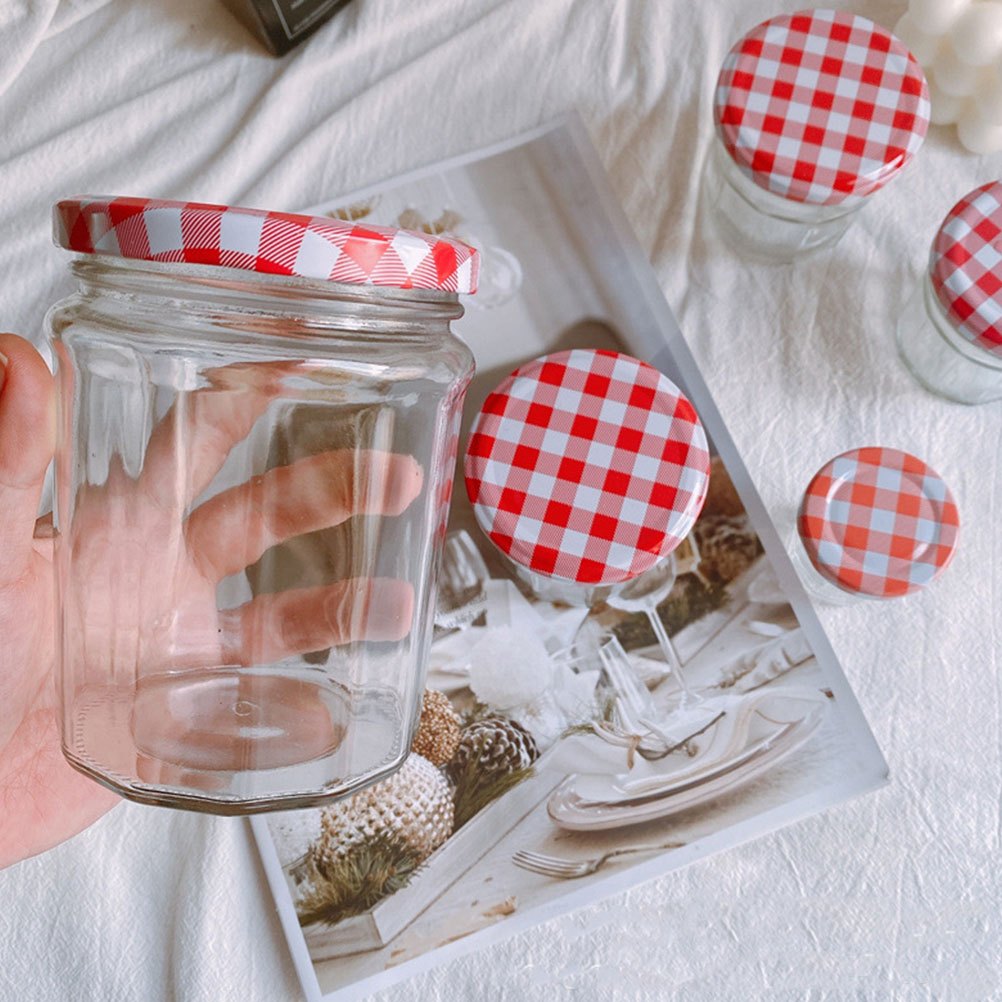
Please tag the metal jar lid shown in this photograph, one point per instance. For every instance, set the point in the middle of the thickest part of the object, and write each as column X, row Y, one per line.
column 587, row 466
column 821, row 106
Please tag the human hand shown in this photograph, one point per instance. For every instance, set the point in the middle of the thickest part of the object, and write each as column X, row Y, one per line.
column 173, row 614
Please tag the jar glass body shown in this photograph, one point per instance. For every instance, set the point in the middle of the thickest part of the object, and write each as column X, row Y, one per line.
column 942, row 359
column 761, row 224
column 815, row 583
column 252, row 481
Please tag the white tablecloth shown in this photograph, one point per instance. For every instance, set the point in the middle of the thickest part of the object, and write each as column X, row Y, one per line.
column 893, row 897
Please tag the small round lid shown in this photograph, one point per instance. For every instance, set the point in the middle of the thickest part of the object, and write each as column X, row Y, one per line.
column 878, row 522
column 588, row 466
column 821, row 106
column 276, row 243
column 965, row 266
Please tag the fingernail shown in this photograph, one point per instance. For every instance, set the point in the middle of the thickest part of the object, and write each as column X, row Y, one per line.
column 3, row 368
column 403, row 481
column 390, row 609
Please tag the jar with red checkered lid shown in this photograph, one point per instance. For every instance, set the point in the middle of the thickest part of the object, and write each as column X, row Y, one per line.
column 950, row 332
column 874, row 523
column 814, row 111
column 587, row 469
column 258, row 420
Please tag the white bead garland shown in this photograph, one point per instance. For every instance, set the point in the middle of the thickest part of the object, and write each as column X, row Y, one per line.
column 959, row 45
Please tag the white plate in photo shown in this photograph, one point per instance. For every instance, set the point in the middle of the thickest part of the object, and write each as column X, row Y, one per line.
column 765, row 588
column 777, row 727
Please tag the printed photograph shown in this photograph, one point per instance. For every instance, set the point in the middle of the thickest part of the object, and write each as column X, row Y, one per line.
column 568, row 736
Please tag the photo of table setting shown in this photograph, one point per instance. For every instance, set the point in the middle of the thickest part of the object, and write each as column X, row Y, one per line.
column 620, row 672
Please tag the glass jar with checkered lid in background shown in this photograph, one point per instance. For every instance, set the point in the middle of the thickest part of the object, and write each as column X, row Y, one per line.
column 587, row 469
column 814, row 112
column 950, row 332
column 874, row 523
column 258, row 429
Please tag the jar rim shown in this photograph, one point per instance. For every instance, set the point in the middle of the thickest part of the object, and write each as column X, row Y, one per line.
column 320, row 248
column 254, row 291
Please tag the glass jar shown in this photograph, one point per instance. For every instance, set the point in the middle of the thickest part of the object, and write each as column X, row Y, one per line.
column 258, row 425
column 874, row 523
column 814, row 112
column 586, row 469
column 950, row 332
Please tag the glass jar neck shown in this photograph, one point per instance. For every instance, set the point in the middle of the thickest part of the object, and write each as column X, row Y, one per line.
column 772, row 204
column 207, row 289
column 947, row 329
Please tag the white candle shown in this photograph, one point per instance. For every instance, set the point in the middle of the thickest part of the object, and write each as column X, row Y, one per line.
column 936, row 16
column 989, row 96
column 978, row 135
column 952, row 74
column 977, row 34
column 959, row 45
column 921, row 44
column 946, row 108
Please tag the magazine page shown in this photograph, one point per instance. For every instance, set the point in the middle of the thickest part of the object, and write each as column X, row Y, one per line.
column 568, row 748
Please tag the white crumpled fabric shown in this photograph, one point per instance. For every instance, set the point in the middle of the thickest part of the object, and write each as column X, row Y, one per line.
column 894, row 896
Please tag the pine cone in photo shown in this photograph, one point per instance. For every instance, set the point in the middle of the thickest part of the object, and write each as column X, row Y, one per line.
column 438, row 731
column 727, row 547
column 493, row 746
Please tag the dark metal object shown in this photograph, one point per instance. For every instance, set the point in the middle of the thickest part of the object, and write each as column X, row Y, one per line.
column 283, row 24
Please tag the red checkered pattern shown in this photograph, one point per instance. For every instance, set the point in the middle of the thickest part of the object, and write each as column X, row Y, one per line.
column 277, row 243
column 965, row 266
column 821, row 106
column 587, row 466
column 878, row 522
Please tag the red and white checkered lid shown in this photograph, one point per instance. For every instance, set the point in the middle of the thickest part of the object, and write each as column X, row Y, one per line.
column 878, row 522
column 965, row 266
column 821, row 106
column 276, row 243
column 587, row 466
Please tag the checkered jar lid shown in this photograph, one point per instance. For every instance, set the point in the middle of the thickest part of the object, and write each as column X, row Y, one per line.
column 276, row 243
column 821, row 106
column 587, row 466
column 965, row 266
column 878, row 522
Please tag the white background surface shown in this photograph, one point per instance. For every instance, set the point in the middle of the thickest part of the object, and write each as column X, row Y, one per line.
column 893, row 897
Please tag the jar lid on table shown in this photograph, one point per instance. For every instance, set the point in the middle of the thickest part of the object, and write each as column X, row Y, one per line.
column 587, row 466
column 965, row 266
column 878, row 522
column 821, row 106
column 274, row 243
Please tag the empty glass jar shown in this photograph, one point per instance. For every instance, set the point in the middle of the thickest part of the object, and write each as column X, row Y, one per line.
column 874, row 523
column 814, row 112
column 950, row 332
column 258, row 422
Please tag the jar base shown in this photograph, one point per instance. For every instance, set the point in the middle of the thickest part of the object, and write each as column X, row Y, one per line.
column 252, row 739
column 956, row 379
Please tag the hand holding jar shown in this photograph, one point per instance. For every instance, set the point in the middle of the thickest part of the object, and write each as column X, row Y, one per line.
column 45, row 800
column 256, row 431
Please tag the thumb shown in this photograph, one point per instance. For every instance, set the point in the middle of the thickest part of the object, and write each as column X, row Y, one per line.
column 27, row 438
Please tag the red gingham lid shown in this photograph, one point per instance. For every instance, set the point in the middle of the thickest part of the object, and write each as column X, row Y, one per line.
column 878, row 522
column 821, row 106
column 587, row 466
column 277, row 243
column 965, row 266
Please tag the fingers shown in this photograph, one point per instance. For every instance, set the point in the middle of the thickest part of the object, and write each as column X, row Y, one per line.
column 233, row 529
column 272, row 627
column 191, row 443
column 27, row 440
